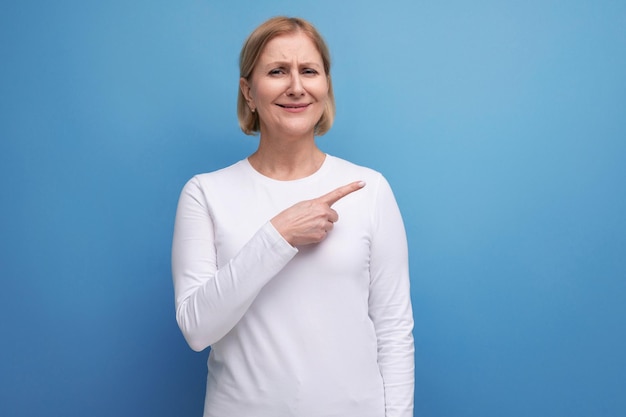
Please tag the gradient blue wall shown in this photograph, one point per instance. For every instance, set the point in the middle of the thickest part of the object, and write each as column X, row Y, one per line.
column 500, row 124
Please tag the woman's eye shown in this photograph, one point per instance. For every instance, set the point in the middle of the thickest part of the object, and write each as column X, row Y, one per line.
column 309, row 71
column 277, row 71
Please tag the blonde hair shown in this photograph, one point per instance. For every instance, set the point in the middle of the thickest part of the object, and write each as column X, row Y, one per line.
column 252, row 50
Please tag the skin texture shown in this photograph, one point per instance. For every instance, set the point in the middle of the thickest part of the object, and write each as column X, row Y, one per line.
column 288, row 89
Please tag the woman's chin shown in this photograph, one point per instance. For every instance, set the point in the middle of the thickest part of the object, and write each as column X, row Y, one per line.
column 296, row 131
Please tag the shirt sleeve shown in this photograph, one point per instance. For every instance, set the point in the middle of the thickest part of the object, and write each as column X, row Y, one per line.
column 211, row 301
column 390, row 304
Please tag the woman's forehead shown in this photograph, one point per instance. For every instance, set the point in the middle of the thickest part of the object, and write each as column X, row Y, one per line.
column 290, row 47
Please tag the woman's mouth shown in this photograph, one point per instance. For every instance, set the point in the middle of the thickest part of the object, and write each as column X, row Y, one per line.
column 294, row 108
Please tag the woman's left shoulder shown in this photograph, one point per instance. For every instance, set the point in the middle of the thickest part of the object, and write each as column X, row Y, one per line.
column 350, row 168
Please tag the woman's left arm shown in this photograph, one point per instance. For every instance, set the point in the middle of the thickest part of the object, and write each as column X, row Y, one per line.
column 390, row 303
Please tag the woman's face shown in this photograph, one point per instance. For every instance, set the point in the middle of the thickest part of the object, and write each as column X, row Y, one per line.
column 288, row 87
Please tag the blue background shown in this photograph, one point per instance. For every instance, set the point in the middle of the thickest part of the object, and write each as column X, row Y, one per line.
column 501, row 126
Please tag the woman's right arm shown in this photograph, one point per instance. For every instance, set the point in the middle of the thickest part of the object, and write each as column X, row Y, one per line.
column 211, row 301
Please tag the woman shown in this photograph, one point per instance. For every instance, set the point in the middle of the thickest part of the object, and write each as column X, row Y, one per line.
column 286, row 263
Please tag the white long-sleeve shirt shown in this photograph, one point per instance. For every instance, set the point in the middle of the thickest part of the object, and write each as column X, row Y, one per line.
column 318, row 330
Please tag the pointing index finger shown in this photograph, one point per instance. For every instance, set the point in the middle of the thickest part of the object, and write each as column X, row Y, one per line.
column 339, row 193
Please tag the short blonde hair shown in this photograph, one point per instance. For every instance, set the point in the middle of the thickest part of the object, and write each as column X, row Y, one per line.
column 252, row 50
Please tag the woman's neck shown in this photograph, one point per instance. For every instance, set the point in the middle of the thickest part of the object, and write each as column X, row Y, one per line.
column 287, row 161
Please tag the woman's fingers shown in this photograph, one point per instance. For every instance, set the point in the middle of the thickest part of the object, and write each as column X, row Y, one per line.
column 339, row 193
column 309, row 221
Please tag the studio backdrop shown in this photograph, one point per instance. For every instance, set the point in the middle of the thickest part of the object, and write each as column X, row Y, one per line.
column 501, row 126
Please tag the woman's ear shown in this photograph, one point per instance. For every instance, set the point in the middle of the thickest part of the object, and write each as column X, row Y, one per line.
column 244, row 85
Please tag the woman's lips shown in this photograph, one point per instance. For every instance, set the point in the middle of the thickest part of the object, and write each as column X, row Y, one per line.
column 294, row 108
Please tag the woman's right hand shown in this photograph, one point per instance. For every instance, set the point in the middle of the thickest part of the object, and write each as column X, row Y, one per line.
column 310, row 221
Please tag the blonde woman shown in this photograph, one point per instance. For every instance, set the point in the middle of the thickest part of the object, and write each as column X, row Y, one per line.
column 292, row 264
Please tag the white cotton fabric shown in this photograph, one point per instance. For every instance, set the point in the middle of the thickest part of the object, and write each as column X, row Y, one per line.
column 318, row 330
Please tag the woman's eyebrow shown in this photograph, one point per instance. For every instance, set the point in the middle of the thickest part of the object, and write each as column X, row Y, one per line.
column 288, row 64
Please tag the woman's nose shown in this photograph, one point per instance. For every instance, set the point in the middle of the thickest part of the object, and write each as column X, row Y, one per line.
column 295, row 85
